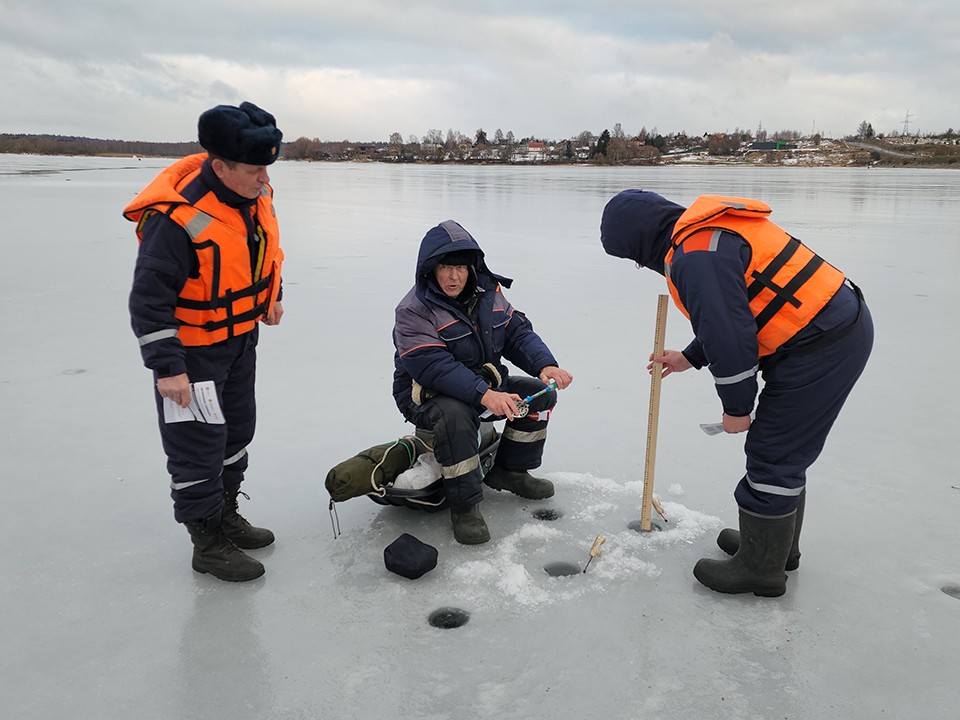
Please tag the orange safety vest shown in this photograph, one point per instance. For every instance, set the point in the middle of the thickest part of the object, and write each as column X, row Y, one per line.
column 787, row 283
column 228, row 298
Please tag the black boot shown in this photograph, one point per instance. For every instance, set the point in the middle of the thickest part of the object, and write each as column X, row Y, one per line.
column 519, row 483
column 215, row 553
column 469, row 527
column 729, row 539
column 236, row 527
column 758, row 565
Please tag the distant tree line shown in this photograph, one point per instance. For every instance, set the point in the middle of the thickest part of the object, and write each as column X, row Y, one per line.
column 68, row 145
column 610, row 147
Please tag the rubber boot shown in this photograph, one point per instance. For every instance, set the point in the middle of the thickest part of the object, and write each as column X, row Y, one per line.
column 215, row 553
column 758, row 565
column 519, row 483
column 729, row 539
column 237, row 528
column 469, row 527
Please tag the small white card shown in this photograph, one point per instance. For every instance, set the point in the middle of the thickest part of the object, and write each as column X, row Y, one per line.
column 204, row 406
column 712, row 428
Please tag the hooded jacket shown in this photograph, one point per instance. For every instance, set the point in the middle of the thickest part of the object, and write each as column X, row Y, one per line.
column 637, row 226
column 709, row 284
column 442, row 342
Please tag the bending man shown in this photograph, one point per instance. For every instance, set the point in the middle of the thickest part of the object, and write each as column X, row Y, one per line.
column 760, row 302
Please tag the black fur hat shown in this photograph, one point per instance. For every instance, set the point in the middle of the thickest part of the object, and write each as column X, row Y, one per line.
column 245, row 134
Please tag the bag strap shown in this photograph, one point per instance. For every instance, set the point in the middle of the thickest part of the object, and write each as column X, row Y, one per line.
column 408, row 443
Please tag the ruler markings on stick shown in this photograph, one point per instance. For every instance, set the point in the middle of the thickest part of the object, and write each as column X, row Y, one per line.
column 653, row 416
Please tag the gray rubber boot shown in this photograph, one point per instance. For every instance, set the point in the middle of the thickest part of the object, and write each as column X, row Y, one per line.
column 759, row 563
column 469, row 527
column 519, row 483
column 237, row 528
column 215, row 553
column 729, row 539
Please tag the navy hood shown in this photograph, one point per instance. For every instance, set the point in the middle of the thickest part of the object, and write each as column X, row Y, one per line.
column 637, row 225
column 450, row 237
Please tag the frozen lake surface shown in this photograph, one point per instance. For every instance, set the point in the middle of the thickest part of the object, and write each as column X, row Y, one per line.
column 102, row 616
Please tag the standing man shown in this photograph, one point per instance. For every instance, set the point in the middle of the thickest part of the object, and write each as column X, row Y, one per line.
column 207, row 273
column 453, row 328
column 760, row 302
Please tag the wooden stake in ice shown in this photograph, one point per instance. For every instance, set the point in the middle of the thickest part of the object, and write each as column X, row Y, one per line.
column 595, row 550
column 653, row 416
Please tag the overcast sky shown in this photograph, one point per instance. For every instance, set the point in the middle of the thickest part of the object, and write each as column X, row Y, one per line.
column 362, row 69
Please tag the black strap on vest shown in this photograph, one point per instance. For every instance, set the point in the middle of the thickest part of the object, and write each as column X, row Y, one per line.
column 830, row 336
column 787, row 293
column 227, row 299
column 231, row 320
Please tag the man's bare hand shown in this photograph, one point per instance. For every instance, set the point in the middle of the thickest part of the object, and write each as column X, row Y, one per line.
column 177, row 388
column 672, row 360
column 273, row 317
column 736, row 423
column 501, row 404
column 560, row 376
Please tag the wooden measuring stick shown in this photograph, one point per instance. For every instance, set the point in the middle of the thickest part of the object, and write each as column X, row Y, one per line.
column 654, row 415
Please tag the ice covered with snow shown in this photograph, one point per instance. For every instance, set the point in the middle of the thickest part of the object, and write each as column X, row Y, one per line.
column 102, row 616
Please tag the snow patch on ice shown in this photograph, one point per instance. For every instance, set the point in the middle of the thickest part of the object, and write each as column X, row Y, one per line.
column 509, row 571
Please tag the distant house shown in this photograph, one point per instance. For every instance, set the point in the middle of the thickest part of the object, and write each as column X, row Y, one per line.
column 772, row 146
column 533, row 152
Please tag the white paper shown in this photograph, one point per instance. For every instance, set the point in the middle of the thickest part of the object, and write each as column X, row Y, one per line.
column 203, row 407
column 712, row 428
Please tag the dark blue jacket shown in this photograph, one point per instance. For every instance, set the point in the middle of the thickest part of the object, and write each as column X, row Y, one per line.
column 442, row 342
column 639, row 225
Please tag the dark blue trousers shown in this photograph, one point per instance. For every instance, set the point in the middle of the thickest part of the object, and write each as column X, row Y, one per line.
column 202, row 458
column 456, row 438
column 802, row 395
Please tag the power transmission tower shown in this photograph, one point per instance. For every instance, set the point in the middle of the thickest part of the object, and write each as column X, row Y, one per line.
column 906, row 123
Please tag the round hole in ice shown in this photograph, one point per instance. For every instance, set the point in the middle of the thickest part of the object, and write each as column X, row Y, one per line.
column 952, row 590
column 547, row 514
column 561, row 569
column 447, row 618
column 636, row 526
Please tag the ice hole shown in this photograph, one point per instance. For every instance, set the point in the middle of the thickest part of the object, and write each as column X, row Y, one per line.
column 635, row 526
column 952, row 590
column 561, row 569
column 447, row 618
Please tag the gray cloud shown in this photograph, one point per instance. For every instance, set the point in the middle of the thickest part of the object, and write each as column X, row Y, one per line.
column 365, row 68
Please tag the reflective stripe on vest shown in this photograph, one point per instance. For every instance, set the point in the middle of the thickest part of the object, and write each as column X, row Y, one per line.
column 787, row 283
